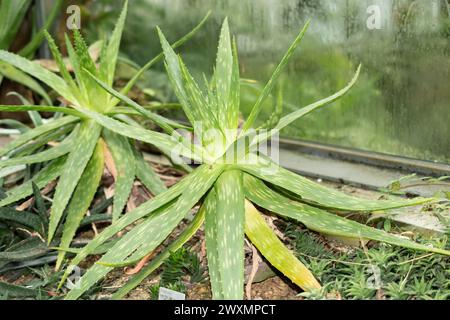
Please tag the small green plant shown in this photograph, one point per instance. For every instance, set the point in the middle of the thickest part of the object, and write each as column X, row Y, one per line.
column 229, row 188
column 78, row 159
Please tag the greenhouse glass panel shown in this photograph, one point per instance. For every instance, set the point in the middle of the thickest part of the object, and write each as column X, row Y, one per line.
column 400, row 104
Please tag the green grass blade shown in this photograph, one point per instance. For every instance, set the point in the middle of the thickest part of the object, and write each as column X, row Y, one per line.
column 43, row 178
column 318, row 194
column 145, row 237
column 140, row 212
column 81, row 199
column 156, row 262
column 82, row 150
column 49, row 154
column 230, row 233
column 37, row 71
column 108, row 64
column 147, row 175
column 270, row 84
column 36, row 132
column 322, row 221
column 123, row 157
column 212, row 247
column 21, row 77
column 263, row 237
column 149, row 64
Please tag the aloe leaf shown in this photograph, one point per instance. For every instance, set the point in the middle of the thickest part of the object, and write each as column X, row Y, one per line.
column 37, row 71
column 318, row 194
column 270, row 84
column 77, row 160
column 212, row 247
column 30, row 248
column 62, row 65
column 156, row 262
column 288, row 119
column 143, row 210
column 160, row 120
column 11, row 15
column 263, row 237
column 34, row 115
column 108, row 64
column 41, row 208
column 322, row 221
column 160, row 140
column 126, row 169
column 14, row 291
column 147, row 175
column 50, row 154
column 16, row 108
column 149, row 64
column 36, row 132
column 227, row 80
column 14, row 74
column 73, row 58
column 14, row 124
column 38, row 37
column 230, row 219
column 44, row 177
column 81, row 199
column 22, row 218
column 145, row 237
column 172, row 64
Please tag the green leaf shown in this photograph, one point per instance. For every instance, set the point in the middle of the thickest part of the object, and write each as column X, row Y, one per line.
column 23, row 218
column 263, row 237
column 212, row 247
column 150, row 63
column 49, row 154
column 147, row 175
column 143, row 210
column 230, row 233
column 320, row 195
column 37, row 71
column 322, row 221
column 16, row 108
column 288, row 119
column 227, row 81
column 145, row 237
column 82, row 150
column 27, row 249
column 81, row 199
column 108, row 62
column 21, row 77
column 36, row 132
column 43, row 178
column 14, row 291
column 41, row 208
column 11, row 15
column 156, row 262
column 270, row 84
column 38, row 37
column 160, row 140
column 125, row 165
column 34, row 115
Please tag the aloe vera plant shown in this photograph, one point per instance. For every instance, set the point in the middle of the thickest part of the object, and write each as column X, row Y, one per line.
column 78, row 159
column 229, row 190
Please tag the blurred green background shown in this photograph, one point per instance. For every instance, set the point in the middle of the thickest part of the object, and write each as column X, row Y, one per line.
column 400, row 104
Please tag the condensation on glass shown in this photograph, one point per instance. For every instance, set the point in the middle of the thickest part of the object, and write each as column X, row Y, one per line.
column 401, row 102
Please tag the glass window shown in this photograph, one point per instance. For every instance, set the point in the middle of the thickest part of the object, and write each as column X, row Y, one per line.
column 401, row 103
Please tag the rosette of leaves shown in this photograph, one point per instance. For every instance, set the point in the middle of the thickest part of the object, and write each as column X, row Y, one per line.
column 229, row 188
column 78, row 159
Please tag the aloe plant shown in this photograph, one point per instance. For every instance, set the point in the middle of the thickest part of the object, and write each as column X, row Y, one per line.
column 78, row 160
column 229, row 191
